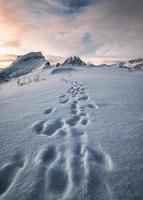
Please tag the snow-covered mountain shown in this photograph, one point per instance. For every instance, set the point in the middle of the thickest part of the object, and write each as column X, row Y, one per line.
column 133, row 64
column 73, row 60
column 68, row 65
column 136, row 63
column 23, row 65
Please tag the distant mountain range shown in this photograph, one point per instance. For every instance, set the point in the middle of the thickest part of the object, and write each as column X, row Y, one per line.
column 36, row 61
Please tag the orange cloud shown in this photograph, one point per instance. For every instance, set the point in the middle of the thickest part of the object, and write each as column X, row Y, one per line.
column 14, row 43
column 12, row 23
column 7, row 59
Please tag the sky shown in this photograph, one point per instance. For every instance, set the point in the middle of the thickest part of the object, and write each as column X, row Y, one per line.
column 96, row 30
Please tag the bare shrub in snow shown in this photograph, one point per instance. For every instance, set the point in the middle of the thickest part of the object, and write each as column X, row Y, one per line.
column 27, row 79
column 36, row 77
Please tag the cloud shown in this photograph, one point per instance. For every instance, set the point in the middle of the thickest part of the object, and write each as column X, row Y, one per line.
column 7, row 58
column 60, row 7
column 89, row 28
column 13, row 23
column 12, row 43
column 55, row 59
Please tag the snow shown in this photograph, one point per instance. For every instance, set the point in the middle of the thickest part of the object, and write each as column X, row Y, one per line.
column 134, row 64
column 25, row 64
column 74, row 135
column 65, row 69
column 28, row 56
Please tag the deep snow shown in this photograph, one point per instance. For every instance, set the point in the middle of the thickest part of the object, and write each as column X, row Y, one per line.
column 74, row 135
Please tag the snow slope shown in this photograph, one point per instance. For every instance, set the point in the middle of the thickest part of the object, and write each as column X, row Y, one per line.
column 72, row 136
column 25, row 64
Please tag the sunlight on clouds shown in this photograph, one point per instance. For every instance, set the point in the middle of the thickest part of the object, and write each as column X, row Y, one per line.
column 6, row 59
column 93, row 29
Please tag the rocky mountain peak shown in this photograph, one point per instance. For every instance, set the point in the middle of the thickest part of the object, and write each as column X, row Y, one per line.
column 74, row 60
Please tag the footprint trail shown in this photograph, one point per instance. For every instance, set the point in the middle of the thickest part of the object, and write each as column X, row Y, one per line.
column 75, row 171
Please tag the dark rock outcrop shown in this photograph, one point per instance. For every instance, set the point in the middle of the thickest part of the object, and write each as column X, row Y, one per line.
column 74, row 60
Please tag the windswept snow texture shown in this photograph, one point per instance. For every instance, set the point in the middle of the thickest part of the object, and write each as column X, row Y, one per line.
column 73, row 136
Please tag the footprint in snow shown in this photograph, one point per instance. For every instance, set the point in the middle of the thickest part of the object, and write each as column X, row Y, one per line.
column 101, row 158
column 77, row 163
column 62, row 132
column 47, row 127
column 92, row 105
column 62, row 96
column 82, row 93
column 97, row 165
column 48, row 111
column 73, row 108
column 84, row 121
column 64, row 101
column 84, row 97
column 48, row 155
column 82, row 113
column 9, row 172
column 38, row 126
column 44, row 159
column 57, row 177
column 52, row 127
column 73, row 120
column 77, row 132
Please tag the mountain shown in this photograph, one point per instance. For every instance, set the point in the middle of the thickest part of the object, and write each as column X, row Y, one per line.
column 46, row 65
column 136, row 63
column 73, row 60
column 23, row 65
column 133, row 64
